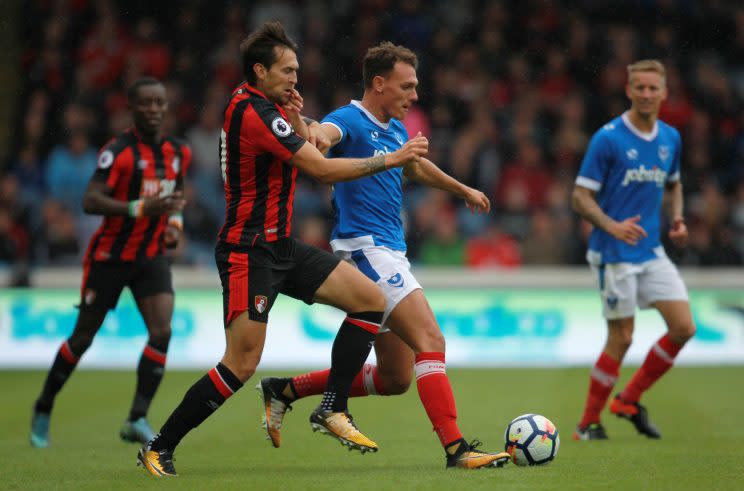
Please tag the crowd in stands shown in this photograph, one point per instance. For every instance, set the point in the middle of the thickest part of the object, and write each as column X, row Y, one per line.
column 510, row 94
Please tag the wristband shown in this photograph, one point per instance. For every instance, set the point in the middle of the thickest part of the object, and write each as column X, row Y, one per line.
column 136, row 208
column 176, row 221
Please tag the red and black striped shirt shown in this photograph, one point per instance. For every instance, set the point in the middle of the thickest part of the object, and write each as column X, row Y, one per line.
column 256, row 144
column 133, row 169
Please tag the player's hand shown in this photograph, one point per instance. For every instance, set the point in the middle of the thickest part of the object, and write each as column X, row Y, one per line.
column 293, row 107
column 171, row 237
column 163, row 205
column 317, row 137
column 412, row 151
column 476, row 201
column 628, row 230
column 678, row 233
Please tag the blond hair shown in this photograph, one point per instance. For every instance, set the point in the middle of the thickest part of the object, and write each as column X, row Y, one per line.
column 654, row 66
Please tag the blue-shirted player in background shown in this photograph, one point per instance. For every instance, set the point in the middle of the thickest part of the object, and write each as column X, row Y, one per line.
column 369, row 233
column 632, row 164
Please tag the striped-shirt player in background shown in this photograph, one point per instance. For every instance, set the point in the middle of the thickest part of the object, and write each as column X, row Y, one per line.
column 257, row 258
column 631, row 166
column 137, row 188
column 368, row 233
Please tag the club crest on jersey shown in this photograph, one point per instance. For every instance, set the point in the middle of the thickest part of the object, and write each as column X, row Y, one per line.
column 105, row 159
column 260, row 302
column 396, row 280
column 399, row 139
column 176, row 164
column 281, row 127
column 142, row 164
column 89, row 296
column 612, row 302
column 632, row 154
column 663, row 152
column 375, row 135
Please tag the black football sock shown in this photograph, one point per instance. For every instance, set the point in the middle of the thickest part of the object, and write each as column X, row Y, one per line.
column 350, row 350
column 63, row 365
column 149, row 374
column 200, row 401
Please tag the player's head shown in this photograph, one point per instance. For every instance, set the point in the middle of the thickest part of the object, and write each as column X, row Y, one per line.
column 389, row 73
column 646, row 87
column 148, row 103
column 270, row 61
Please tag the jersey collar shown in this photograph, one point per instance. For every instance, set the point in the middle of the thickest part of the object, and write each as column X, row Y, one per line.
column 371, row 117
column 640, row 134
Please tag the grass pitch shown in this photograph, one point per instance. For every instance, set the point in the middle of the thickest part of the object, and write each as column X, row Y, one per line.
column 699, row 411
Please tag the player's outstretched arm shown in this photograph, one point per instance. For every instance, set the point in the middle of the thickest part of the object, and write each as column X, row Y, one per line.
column 426, row 172
column 585, row 204
column 328, row 171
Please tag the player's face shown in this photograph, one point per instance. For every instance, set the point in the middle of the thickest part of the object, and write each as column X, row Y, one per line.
column 280, row 79
column 646, row 91
column 149, row 109
column 399, row 90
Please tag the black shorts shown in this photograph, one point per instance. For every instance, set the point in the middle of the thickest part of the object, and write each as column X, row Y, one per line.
column 252, row 277
column 103, row 281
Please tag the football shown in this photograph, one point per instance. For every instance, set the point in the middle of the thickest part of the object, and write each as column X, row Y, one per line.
column 532, row 439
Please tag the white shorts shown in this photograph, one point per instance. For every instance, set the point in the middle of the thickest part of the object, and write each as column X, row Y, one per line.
column 389, row 269
column 625, row 286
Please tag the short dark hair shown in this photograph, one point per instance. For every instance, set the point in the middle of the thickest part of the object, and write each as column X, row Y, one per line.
column 258, row 47
column 381, row 59
column 133, row 90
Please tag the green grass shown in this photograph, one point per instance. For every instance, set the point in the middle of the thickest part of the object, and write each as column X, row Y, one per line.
column 699, row 411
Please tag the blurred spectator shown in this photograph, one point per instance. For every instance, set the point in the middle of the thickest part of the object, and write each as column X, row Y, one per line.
column 494, row 249
column 69, row 169
column 59, row 234
column 445, row 247
column 509, row 94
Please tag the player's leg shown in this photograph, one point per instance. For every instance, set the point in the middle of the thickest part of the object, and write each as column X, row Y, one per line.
column 157, row 311
column 153, row 290
column 349, row 290
column 661, row 287
column 413, row 321
column 618, row 289
column 243, row 280
column 99, row 292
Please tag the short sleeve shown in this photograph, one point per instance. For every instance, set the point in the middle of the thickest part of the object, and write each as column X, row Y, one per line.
column 596, row 162
column 271, row 132
column 109, row 166
column 336, row 120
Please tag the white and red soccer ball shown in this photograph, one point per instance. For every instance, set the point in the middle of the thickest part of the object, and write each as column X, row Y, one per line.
column 532, row 439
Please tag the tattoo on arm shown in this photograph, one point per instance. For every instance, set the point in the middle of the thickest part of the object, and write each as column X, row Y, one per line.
column 308, row 121
column 372, row 165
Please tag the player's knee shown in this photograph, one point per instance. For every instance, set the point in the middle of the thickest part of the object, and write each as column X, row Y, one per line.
column 432, row 340
column 620, row 341
column 160, row 335
column 397, row 383
column 684, row 332
column 79, row 343
column 372, row 300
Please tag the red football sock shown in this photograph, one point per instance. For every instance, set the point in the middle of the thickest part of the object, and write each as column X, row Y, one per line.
column 603, row 378
column 367, row 382
column 436, row 395
column 658, row 361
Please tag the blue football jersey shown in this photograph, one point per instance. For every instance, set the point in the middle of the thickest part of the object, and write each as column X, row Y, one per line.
column 367, row 210
column 629, row 169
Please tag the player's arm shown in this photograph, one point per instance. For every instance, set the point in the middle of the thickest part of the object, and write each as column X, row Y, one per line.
column 427, row 173
column 174, row 229
column 585, row 204
column 675, row 199
column 98, row 201
column 328, row 171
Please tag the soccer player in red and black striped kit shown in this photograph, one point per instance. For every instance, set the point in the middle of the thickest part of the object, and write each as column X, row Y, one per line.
column 260, row 154
column 137, row 188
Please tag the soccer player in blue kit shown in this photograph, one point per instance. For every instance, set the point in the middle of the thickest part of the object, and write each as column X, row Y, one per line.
column 368, row 233
column 631, row 165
